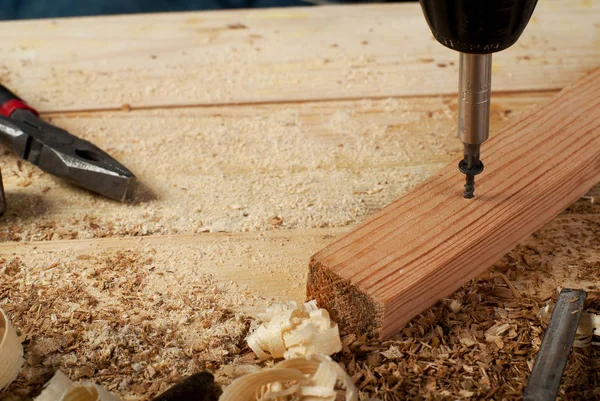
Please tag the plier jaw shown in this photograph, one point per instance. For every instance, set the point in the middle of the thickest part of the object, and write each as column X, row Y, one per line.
column 60, row 153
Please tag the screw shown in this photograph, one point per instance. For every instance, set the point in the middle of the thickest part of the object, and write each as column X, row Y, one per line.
column 469, row 186
column 470, row 167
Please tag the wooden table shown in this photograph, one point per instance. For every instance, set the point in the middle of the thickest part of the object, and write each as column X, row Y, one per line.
column 256, row 137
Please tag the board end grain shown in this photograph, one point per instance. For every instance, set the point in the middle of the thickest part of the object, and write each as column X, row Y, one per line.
column 349, row 306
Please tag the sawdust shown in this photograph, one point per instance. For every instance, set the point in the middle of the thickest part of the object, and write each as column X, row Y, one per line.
column 105, row 319
column 481, row 343
column 248, row 168
column 129, row 321
column 137, row 320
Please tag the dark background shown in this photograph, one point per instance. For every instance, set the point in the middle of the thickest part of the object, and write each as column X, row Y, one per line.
column 25, row 9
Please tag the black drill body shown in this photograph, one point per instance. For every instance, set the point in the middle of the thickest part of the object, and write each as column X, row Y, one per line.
column 477, row 26
column 476, row 29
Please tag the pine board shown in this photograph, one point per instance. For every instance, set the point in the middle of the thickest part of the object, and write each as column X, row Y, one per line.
column 234, row 169
column 276, row 55
column 242, row 264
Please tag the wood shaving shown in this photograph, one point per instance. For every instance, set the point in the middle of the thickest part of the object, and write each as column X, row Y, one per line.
column 589, row 326
column 290, row 331
column 311, row 378
column 439, row 353
column 11, row 352
column 61, row 388
column 55, row 388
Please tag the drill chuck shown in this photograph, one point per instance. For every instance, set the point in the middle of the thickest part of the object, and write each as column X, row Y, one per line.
column 477, row 26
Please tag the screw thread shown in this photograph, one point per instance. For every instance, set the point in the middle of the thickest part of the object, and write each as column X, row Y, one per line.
column 469, row 187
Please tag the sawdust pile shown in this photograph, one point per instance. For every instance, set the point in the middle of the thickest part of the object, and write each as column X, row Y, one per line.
column 107, row 322
column 484, row 350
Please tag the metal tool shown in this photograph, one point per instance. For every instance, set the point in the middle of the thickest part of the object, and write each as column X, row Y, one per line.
column 2, row 197
column 476, row 29
column 59, row 153
column 551, row 359
column 197, row 387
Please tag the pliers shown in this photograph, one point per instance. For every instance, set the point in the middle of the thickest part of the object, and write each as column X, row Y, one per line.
column 57, row 152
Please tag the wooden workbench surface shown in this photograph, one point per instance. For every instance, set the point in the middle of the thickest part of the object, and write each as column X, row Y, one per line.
column 256, row 137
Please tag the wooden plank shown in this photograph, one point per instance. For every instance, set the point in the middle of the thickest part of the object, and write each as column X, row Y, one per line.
column 257, row 56
column 235, row 168
column 427, row 244
column 265, row 267
column 262, row 267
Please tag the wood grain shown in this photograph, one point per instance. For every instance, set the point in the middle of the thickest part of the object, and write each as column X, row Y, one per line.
column 427, row 244
column 277, row 55
column 262, row 267
column 233, row 168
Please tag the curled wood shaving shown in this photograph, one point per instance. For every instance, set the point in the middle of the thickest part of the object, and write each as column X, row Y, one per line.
column 61, row 388
column 55, row 388
column 11, row 352
column 291, row 331
column 312, row 378
column 589, row 326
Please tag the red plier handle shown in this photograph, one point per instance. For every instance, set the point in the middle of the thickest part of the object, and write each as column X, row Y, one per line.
column 10, row 102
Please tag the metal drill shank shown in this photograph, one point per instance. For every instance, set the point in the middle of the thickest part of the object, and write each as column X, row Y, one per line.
column 474, row 87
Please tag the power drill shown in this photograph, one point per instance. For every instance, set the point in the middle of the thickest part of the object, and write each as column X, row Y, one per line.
column 476, row 29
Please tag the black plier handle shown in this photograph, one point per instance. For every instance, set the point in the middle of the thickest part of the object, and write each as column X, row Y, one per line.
column 9, row 102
